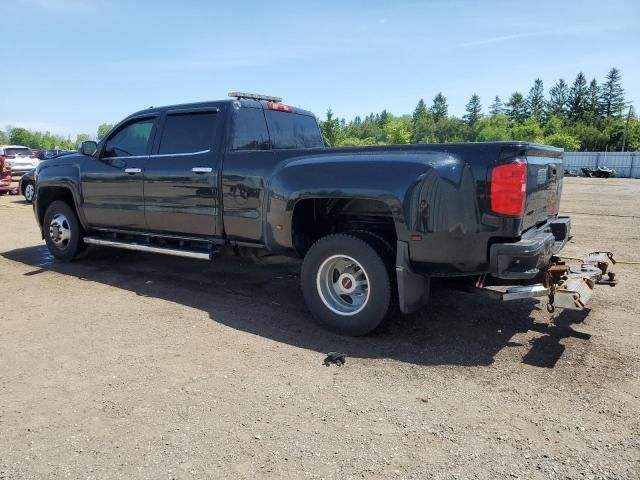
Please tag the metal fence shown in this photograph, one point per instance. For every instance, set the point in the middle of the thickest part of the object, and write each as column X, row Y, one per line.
column 626, row 164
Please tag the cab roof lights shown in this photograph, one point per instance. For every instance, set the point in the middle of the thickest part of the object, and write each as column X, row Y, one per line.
column 255, row 96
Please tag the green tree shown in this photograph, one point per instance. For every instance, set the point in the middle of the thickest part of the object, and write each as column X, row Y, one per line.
column 22, row 136
column 590, row 137
column 103, row 129
column 82, row 137
column 385, row 117
column 439, row 109
column 330, row 129
column 554, row 124
column 451, row 130
column 563, row 140
column 592, row 113
column 493, row 128
column 420, row 110
column 612, row 94
column 558, row 99
column 423, row 128
column 397, row 131
column 516, row 108
column 528, row 130
column 496, row 107
column 536, row 104
column 474, row 110
column 578, row 98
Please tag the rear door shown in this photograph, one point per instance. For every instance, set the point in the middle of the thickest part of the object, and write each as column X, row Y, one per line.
column 181, row 176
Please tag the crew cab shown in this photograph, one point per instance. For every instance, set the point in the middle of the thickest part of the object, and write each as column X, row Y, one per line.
column 372, row 224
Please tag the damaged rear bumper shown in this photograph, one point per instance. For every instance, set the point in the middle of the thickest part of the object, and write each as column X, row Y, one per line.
column 524, row 259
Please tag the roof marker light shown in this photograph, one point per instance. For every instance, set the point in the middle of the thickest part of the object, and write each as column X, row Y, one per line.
column 279, row 107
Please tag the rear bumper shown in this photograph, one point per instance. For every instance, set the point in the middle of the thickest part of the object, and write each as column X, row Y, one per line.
column 523, row 259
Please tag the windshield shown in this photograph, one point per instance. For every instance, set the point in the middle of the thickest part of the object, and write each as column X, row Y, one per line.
column 23, row 152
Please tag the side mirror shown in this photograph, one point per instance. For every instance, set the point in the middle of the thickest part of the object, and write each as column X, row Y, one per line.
column 88, row 147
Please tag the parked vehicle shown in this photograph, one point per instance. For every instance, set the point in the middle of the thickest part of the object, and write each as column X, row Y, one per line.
column 46, row 154
column 20, row 159
column 373, row 224
column 599, row 172
column 5, row 176
column 27, row 184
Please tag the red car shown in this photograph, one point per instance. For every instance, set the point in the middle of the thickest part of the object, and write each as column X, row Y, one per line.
column 5, row 176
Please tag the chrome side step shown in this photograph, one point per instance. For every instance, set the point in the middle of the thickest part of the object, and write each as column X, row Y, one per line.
column 142, row 247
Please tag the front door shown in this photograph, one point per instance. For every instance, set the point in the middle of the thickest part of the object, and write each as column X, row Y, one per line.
column 181, row 177
column 112, row 183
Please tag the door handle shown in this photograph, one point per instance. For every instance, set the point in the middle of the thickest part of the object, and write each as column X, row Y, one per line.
column 202, row 169
column 131, row 171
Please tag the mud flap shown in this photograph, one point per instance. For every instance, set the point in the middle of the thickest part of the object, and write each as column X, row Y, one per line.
column 413, row 288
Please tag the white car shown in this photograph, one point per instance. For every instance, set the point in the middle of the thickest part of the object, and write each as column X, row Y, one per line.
column 20, row 159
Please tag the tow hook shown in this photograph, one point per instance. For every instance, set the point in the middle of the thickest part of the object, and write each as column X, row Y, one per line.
column 572, row 287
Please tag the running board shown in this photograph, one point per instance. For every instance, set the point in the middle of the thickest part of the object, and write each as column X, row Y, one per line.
column 142, row 247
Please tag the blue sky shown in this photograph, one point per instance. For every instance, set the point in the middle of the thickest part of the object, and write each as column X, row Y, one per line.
column 69, row 65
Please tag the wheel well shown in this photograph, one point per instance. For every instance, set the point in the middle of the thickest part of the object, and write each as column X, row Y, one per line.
column 47, row 195
column 314, row 218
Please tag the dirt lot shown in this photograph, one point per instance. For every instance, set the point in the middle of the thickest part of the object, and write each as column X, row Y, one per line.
column 126, row 365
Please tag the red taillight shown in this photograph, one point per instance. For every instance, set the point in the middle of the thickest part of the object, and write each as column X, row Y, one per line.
column 509, row 189
column 279, row 107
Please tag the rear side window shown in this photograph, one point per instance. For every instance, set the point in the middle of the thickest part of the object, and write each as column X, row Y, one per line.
column 291, row 130
column 23, row 152
column 250, row 130
column 187, row 133
column 131, row 140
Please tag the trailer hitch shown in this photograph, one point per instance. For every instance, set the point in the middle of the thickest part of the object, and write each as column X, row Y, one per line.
column 566, row 286
column 571, row 287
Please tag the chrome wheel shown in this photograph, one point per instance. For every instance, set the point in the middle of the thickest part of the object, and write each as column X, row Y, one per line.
column 59, row 231
column 29, row 190
column 343, row 285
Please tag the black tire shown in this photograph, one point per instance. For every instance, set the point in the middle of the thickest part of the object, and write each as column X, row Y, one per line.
column 66, row 215
column 377, row 305
column 388, row 255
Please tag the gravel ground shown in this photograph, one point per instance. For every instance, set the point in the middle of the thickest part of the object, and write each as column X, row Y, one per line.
column 127, row 365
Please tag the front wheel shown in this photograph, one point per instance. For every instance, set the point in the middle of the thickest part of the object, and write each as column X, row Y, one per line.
column 346, row 284
column 29, row 191
column 62, row 231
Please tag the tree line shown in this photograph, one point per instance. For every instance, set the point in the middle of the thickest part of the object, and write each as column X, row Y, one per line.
column 582, row 116
column 47, row 140
column 586, row 116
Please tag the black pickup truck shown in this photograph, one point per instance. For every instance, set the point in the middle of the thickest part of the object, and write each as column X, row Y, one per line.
column 251, row 174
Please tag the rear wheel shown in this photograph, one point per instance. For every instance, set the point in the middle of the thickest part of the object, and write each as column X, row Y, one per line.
column 62, row 231
column 346, row 284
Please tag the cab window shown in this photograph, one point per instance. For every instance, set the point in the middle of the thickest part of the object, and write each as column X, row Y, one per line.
column 131, row 140
column 187, row 133
column 250, row 130
column 292, row 130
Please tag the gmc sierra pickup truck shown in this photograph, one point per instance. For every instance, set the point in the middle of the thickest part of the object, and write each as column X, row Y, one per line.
column 372, row 224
